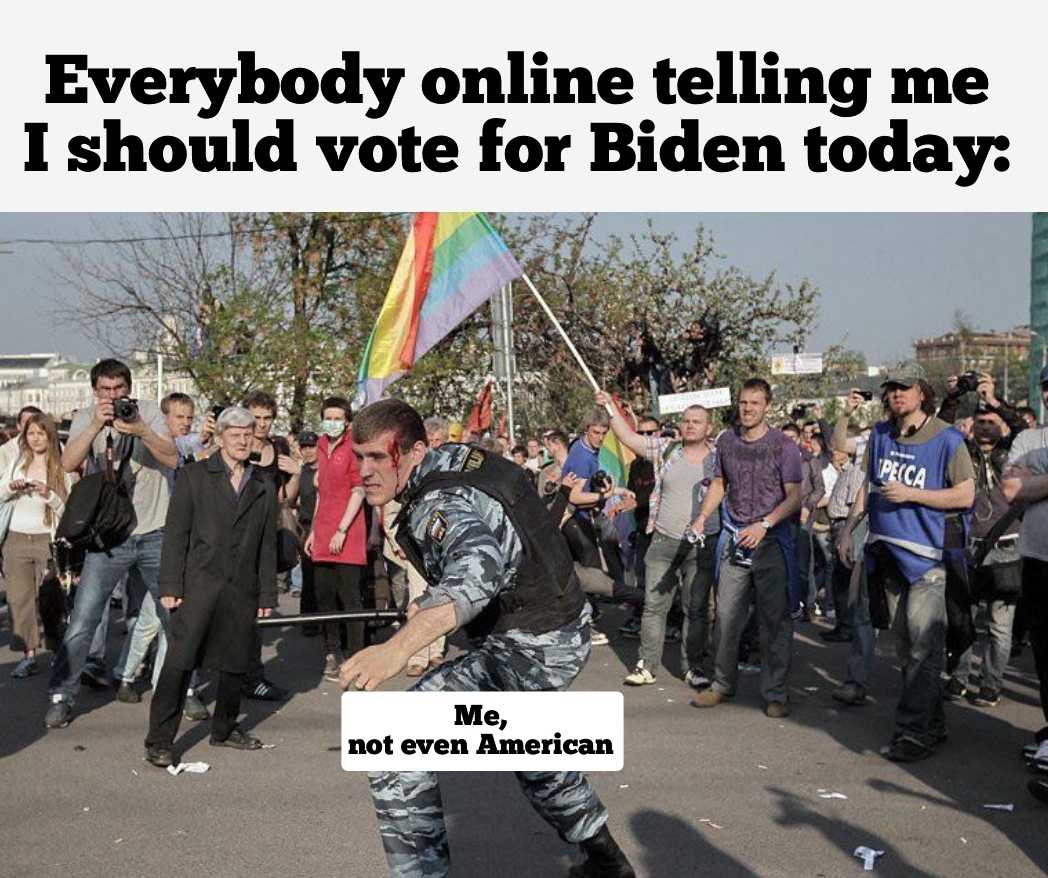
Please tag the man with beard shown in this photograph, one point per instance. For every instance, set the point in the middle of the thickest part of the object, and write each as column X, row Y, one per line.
column 474, row 527
column 918, row 469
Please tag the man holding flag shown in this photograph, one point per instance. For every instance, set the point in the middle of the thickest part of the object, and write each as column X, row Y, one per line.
column 678, row 557
column 471, row 523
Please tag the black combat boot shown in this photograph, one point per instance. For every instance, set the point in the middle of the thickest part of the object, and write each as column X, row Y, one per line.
column 604, row 859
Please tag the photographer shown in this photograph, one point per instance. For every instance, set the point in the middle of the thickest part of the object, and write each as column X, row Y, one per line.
column 982, row 384
column 118, row 426
column 591, row 536
column 994, row 565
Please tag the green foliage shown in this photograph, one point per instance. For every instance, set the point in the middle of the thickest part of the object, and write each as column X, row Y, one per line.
column 287, row 301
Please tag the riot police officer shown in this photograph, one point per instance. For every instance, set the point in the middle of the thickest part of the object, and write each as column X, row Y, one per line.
column 474, row 527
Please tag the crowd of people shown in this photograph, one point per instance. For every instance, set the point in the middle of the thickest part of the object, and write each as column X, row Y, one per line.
column 731, row 529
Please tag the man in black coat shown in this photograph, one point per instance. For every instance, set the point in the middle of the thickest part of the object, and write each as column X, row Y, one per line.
column 217, row 574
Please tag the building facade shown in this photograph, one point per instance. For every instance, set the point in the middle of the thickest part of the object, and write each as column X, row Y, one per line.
column 60, row 387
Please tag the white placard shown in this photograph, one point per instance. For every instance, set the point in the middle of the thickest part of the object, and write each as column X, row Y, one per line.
column 710, row 399
column 797, row 364
column 482, row 731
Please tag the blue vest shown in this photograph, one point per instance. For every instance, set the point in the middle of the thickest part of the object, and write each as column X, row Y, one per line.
column 914, row 534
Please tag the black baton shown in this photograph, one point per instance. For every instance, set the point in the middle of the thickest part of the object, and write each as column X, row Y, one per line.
column 319, row 618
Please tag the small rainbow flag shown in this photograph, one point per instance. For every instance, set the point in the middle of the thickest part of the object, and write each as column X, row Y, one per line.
column 614, row 457
column 451, row 265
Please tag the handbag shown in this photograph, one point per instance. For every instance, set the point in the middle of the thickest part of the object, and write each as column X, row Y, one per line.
column 99, row 513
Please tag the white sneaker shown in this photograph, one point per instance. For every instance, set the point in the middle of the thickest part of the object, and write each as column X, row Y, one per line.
column 598, row 639
column 1040, row 758
column 696, row 680
column 641, row 676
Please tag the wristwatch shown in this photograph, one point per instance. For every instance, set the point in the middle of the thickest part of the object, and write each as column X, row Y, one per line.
column 765, row 523
column 342, row 531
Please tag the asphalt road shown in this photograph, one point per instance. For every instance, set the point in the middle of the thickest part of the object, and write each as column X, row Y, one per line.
column 725, row 792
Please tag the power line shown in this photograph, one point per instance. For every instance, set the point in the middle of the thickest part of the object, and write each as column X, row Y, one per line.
column 144, row 239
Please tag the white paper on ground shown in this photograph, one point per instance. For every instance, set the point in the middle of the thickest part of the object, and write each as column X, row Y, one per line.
column 191, row 767
column 868, row 856
column 832, row 796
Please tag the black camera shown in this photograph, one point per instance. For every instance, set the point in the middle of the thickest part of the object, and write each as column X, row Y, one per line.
column 967, row 383
column 601, row 482
column 216, row 410
column 125, row 409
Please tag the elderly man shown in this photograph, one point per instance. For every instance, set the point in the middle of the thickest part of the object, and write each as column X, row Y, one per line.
column 217, row 573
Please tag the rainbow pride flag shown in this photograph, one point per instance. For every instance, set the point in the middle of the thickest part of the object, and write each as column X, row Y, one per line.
column 614, row 457
column 451, row 265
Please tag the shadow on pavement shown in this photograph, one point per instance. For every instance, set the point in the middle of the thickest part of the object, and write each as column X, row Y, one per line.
column 670, row 847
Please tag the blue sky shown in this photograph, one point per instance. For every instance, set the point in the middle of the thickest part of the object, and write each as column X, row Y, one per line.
column 885, row 278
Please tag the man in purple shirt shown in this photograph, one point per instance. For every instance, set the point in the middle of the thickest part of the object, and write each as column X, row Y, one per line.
column 759, row 478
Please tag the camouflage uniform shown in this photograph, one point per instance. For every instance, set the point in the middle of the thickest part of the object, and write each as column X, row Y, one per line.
column 469, row 545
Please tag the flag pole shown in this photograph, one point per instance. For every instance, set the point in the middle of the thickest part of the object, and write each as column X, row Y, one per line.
column 507, row 324
column 571, row 347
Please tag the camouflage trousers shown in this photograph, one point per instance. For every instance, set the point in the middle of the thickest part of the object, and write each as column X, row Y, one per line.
column 408, row 804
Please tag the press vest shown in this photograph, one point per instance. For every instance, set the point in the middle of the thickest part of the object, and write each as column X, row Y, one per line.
column 547, row 594
column 915, row 534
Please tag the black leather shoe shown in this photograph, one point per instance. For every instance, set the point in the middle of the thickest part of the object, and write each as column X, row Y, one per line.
column 906, row 750
column 239, row 740
column 604, row 859
column 160, row 756
column 1038, row 789
column 127, row 694
column 94, row 681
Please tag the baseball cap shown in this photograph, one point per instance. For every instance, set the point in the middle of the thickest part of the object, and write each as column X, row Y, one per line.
column 904, row 375
column 307, row 438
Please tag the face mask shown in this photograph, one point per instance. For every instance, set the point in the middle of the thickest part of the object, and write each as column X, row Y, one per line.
column 986, row 433
column 333, row 429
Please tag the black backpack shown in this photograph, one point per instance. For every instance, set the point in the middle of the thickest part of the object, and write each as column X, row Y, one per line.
column 99, row 513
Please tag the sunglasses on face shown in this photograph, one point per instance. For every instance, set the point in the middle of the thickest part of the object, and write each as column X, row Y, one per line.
column 647, row 432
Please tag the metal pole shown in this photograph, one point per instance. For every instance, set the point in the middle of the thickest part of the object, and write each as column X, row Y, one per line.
column 1006, row 396
column 317, row 618
column 507, row 322
column 159, row 377
column 1044, row 362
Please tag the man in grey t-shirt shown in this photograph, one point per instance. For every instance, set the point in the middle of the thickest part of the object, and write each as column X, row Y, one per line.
column 147, row 442
column 684, row 471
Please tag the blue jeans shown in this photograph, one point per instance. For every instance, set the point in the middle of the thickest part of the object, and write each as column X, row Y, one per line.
column 145, row 625
column 102, row 571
